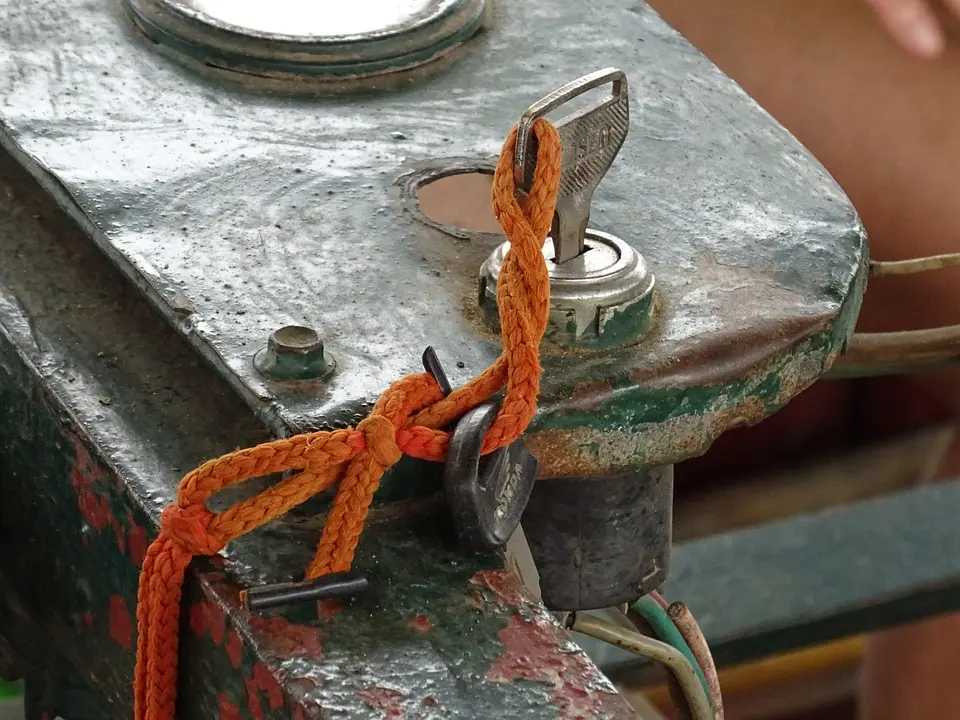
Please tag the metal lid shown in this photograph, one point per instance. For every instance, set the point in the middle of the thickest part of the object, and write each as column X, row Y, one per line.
column 291, row 37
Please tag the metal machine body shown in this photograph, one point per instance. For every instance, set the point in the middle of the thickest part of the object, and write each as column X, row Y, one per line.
column 205, row 257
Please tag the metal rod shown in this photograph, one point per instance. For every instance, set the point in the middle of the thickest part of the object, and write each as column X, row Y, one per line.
column 639, row 644
column 881, row 268
column 897, row 353
column 688, row 627
column 334, row 585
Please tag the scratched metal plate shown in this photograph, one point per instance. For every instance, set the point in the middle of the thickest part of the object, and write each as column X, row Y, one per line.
column 239, row 212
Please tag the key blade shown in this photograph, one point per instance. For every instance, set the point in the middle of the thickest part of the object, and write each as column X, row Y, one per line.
column 591, row 139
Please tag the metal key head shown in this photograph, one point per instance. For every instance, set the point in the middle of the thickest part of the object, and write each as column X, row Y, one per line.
column 486, row 495
column 591, row 139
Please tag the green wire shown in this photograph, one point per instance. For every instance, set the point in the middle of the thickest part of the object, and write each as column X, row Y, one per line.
column 10, row 690
column 663, row 627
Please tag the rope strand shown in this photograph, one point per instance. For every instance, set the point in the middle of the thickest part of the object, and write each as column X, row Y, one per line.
column 404, row 421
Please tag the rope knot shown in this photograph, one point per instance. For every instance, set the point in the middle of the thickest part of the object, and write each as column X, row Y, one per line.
column 189, row 528
column 381, row 440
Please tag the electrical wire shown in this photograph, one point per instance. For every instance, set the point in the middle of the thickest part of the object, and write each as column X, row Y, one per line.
column 666, row 631
column 879, row 268
column 673, row 659
column 686, row 625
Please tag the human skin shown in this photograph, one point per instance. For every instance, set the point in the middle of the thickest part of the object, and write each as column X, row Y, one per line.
column 879, row 110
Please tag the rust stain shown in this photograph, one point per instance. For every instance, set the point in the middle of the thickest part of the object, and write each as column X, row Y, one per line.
column 731, row 355
column 88, row 619
column 253, row 698
column 430, row 701
column 136, row 541
column 234, row 648
column 299, row 713
column 590, row 395
column 533, row 651
column 421, row 623
column 285, row 638
column 385, row 700
column 228, row 711
column 121, row 626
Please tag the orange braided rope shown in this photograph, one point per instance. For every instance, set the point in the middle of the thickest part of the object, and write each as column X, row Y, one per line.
column 404, row 420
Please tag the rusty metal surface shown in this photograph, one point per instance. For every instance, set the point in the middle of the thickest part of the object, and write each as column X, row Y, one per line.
column 238, row 212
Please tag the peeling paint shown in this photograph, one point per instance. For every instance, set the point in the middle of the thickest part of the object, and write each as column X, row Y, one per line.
column 121, row 626
column 385, row 700
column 505, row 587
column 531, row 654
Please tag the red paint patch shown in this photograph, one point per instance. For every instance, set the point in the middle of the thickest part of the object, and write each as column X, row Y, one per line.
column 209, row 617
column 234, row 648
column 387, row 701
column 228, row 711
column 533, row 652
column 285, row 638
column 421, row 623
column 137, row 542
column 253, row 699
column 93, row 504
column 198, row 619
column 88, row 619
column 327, row 609
column 121, row 627
column 505, row 586
column 267, row 682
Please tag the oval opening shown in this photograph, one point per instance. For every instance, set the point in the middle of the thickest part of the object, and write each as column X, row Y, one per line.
column 459, row 200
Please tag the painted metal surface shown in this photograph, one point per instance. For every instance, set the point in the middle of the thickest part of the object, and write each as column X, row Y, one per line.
column 103, row 408
column 238, row 212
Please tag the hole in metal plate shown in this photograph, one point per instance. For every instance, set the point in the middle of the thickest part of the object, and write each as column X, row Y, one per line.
column 459, row 200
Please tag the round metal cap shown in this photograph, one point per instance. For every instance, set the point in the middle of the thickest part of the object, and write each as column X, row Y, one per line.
column 602, row 298
column 291, row 37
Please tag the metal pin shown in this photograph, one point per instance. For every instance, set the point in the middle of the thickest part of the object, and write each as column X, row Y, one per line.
column 431, row 363
column 591, row 139
column 334, row 585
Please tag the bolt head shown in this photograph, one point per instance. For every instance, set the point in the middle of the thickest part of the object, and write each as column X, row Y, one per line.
column 294, row 352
